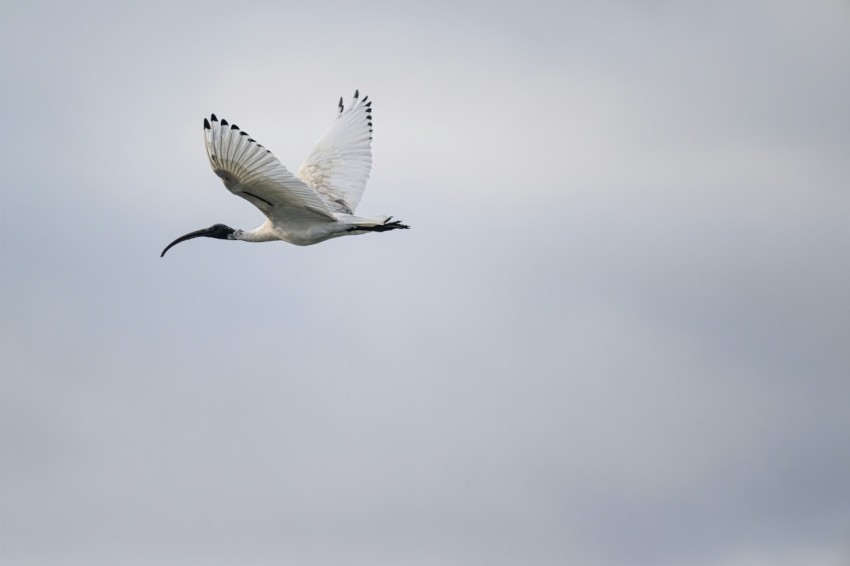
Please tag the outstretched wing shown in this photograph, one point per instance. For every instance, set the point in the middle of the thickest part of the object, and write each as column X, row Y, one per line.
column 339, row 165
column 252, row 172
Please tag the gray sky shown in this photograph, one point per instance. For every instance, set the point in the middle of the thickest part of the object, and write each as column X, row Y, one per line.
column 616, row 333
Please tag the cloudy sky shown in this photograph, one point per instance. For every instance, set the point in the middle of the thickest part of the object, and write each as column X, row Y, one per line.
column 616, row 334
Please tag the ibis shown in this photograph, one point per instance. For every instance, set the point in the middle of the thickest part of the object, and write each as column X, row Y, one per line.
column 314, row 206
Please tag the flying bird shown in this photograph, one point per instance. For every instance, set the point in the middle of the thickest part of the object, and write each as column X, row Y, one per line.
column 314, row 206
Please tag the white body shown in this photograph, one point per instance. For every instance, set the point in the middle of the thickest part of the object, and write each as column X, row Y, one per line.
column 305, row 232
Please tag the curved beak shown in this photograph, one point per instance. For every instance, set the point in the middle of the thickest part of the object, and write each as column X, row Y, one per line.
column 189, row 236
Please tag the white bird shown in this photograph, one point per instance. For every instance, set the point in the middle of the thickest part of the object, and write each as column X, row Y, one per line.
column 316, row 205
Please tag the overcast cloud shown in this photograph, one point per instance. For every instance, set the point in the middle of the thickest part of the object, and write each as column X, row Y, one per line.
column 616, row 334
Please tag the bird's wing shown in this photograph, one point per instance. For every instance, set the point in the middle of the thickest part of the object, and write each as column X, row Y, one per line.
column 252, row 172
column 339, row 165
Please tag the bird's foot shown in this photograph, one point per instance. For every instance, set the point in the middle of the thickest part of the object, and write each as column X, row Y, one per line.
column 385, row 227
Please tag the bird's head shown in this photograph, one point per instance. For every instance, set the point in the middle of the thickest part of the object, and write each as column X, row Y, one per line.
column 218, row 231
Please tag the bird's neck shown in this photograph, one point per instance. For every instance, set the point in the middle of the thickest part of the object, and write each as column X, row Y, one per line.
column 262, row 233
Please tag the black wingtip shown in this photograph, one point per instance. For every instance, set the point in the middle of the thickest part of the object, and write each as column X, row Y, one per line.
column 340, row 105
column 356, row 94
column 365, row 98
column 235, row 127
column 223, row 122
column 206, row 124
column 214, row 119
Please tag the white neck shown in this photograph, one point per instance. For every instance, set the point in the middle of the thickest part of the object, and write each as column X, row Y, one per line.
column 263, row 233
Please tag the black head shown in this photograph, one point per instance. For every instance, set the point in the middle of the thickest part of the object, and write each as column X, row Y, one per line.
column 218, row 231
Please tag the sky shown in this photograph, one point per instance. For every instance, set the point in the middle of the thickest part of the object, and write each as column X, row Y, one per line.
column 615, row 334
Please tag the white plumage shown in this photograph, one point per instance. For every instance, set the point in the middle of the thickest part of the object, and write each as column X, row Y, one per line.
column 339, row 165
column 316, row 205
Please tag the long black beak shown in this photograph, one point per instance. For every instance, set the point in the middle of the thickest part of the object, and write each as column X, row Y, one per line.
column 189, row 236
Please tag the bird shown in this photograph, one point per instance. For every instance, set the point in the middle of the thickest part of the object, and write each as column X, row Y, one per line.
column 316, row 205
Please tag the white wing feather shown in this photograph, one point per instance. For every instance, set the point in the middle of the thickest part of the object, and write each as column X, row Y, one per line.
column 339, row 165
column 252, row 172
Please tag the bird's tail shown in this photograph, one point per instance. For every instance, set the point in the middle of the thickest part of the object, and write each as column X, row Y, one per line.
column 372, row 224
column 352, row 220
